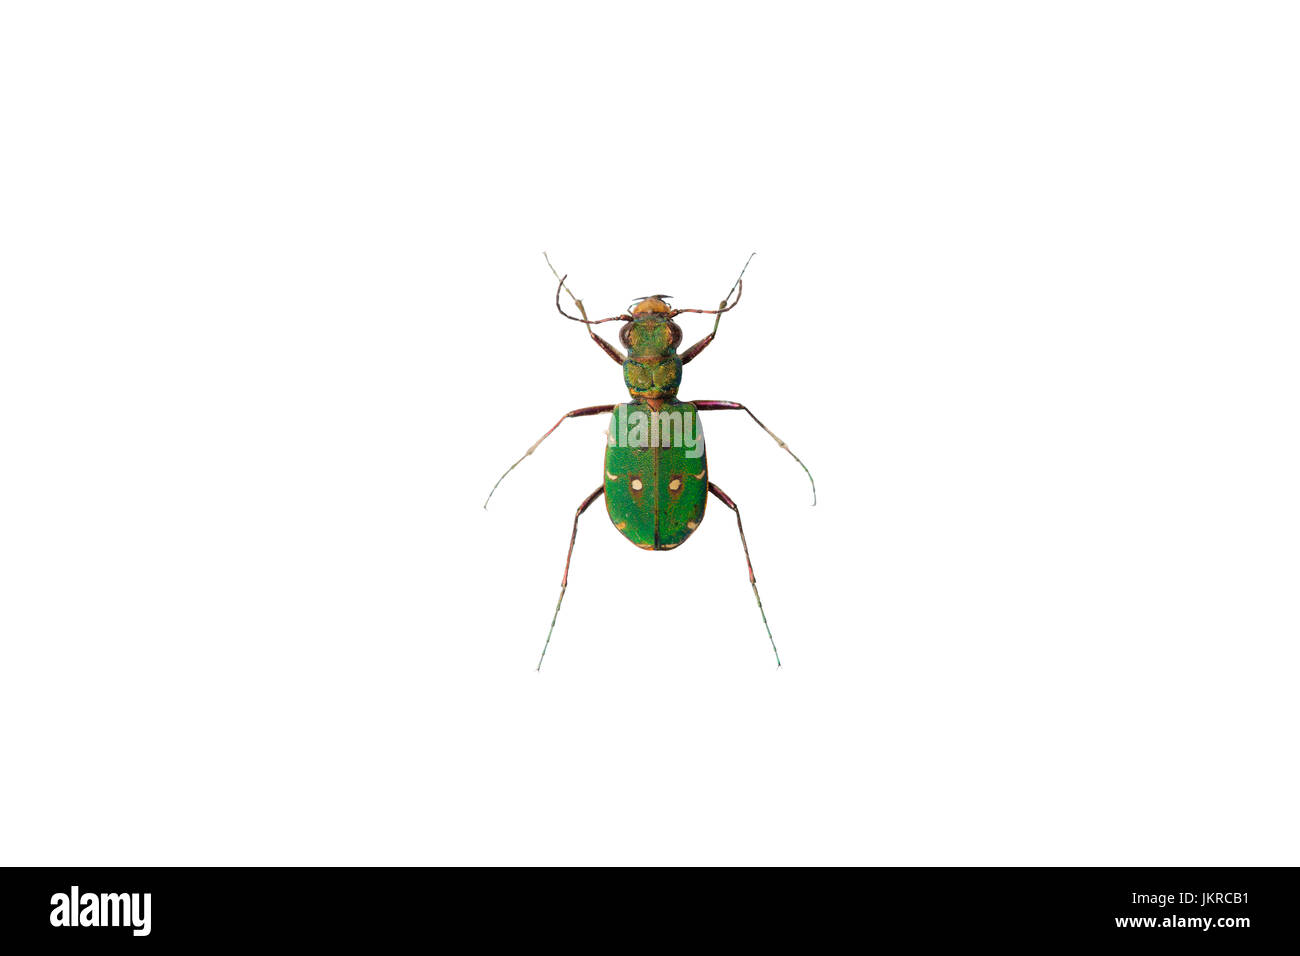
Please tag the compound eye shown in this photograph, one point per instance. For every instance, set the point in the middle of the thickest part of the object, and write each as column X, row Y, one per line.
column 676, row 330
column 632, row 336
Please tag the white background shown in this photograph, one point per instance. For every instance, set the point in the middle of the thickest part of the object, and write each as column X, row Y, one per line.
column 275, row 316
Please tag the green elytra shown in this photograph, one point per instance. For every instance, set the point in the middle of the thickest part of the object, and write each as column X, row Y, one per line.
column 655, row 493
column 656, row 481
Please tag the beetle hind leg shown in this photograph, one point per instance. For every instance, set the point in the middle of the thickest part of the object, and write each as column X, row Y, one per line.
column 564, row 582
column 726, row 500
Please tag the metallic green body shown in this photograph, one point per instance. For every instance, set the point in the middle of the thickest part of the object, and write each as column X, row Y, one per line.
column 656, row 490
column 656, row 481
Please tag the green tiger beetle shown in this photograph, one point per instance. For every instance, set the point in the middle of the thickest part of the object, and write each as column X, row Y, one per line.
column 656, row 473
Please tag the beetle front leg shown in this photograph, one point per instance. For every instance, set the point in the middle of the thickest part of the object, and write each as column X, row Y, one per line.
column 608, row 349
column 722, row 496
column 564, row 582
column 739, row 289
column 736, row 406
column 703, row 343
column 605, row 347
column 576, row 413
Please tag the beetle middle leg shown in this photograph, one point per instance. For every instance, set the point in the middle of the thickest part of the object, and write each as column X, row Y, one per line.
column 576, row 413
column 726, row 500
column 564, row 582
column 711, row 406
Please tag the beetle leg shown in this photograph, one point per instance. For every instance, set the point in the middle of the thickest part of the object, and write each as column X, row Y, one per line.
column 723, row 497
column 728, row 406
column 605, row 347
column 703, row 343
column 609, row 350
column 564, row 582
column 576, row 413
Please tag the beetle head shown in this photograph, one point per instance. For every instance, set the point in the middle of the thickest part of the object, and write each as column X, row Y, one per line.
column 650, row 305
